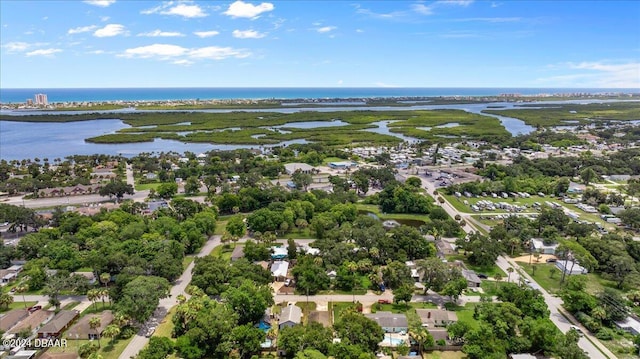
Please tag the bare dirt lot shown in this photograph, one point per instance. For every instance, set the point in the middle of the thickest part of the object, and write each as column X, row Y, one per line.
column 543, row 258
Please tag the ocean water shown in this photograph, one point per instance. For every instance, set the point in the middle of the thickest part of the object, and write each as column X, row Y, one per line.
column 192, row 93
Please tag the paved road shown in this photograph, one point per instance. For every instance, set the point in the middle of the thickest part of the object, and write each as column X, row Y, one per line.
column 554, row 303
column 139, row 341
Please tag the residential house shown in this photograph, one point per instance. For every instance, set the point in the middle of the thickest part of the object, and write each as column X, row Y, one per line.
column 436, row 317
column 576, row 187
column 571, row 267
column 82, row 329
column 11, row 318
column 540, row 247
column 390, row 322
column 522, row 356
column 58, row 324
column 473, row 281
column 290, row 316
column 630, row 325
column 238, row 252
column 279, row 270
column 33, row 321
column 291, row 168
column 342, row 165
column 279, row 253
column 91, row 277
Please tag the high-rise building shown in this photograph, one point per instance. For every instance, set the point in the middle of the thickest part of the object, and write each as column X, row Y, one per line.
column 29, row 102
column 41, row 99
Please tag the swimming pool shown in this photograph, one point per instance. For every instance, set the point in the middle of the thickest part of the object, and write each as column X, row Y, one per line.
column 389, row 340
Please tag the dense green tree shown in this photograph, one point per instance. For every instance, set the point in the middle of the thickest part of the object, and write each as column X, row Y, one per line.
column 301, row 180
column 403, row 294
column 484, row 250
column 354, row 328
column 300, row 338
column 310, row 277
column 167, row 190
column 158, row 348
column 247, row 339
column 116, row 189
column 249, row 301
column 396, row 274
column 141, row 296
column 236, row 226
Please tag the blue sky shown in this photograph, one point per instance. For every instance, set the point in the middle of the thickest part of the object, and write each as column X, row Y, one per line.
column 444, row 43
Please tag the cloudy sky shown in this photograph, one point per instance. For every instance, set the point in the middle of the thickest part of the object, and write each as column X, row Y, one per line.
column 442, row 43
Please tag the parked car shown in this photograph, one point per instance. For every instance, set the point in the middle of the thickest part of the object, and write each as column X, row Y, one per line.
column 483, row 276
column 384, row 301
column 34, row 308
column 552, row 260
column 573, row 327
column 287, row 282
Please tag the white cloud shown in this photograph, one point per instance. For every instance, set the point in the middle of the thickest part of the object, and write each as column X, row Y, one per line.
column 325, row 29
column 489, row 19
column 97, row 52
column 218, row 53
column 184, row 8
column 160, row 33
column 204, row 34
column 359, row 31
column 81, row 29
column 101, row 3
column 104, row 18
column 16, row 46
column 612, row 75
column 382, row 84
column 183, row 56
column 247, row 34
column 156, row 50
column 422, row 9
column 247, row 10
column 455, row 2
column 110, row 31
column 43, row 52
column 340, row 82
column 182, row 62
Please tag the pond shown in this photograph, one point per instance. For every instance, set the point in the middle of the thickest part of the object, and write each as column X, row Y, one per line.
column 407, row 222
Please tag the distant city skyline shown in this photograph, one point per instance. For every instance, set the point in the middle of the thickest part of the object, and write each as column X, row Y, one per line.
column 442, row 43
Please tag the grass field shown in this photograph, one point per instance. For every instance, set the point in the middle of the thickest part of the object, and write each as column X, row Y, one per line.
column 553, row 284
column 17, row 305
column 165, row 328
column 224, row 251
column 372, row 208
column 337, row 308
column 186, row 261
column 147, row 186
column 108, row 349
column 488, row 270
column 444, row 355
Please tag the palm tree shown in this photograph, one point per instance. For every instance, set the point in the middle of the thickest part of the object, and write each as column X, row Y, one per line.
column 498, row 278
column 272, row 334
column 21, row 288
column 105, row 278
column 510, row 270
column 120, row 319
column 93, row 295
column 103, row 293
column 94, row 355
column 5, row 300
column 94, row 323
column 599, row 313
column 111, row 331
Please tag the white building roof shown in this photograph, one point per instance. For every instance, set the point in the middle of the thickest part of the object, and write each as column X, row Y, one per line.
column 279, row 251
column 279, row 268
column 539, row 244
column 292, row 167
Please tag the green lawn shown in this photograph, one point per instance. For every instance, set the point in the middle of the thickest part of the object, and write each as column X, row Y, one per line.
column 491, row 287
column 622, row 346
column 595, row 283
column 465, row 314
column 307, row 307
column 96, row 308
column 224, row 251
column 488, row 270
column 147, row 186
column 17, row 305
column 444, row 355
column 338, row 307
column 220, row 226
column 186, row 261
column 372, row 208
column 165, row 328
column 108, row 350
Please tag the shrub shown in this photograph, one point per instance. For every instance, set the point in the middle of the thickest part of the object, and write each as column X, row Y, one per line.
column 441, row 342
column 604, row 334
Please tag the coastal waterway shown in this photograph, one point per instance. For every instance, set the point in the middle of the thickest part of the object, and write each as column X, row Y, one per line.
column 19, row 140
